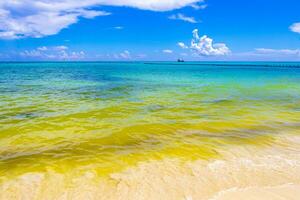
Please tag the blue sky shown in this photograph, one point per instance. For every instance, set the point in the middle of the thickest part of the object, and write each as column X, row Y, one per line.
column 149, row 30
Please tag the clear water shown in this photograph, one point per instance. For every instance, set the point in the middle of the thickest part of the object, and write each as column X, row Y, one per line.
column 109, row 117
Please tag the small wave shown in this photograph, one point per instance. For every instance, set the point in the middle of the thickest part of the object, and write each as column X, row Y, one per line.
column 275, row 176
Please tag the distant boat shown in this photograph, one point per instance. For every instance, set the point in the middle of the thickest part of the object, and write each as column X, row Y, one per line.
column 180, row 60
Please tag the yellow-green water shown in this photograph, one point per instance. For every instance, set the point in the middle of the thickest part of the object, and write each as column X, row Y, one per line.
column 107, row 118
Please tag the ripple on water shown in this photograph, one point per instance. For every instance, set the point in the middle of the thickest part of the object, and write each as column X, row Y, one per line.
column 111, row 131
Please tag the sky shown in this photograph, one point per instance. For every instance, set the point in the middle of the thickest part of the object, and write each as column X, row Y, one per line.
column 154, row 30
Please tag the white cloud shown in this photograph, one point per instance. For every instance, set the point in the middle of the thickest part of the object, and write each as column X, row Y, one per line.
column 31, row 53
column 267, row 54
column 75, row 55
column 182, row 45
column 52, row 53
column 295, row 27
column 60, row 48
column 199, row 7
column 26, row 18
column 182, row 17
column 42, row 48
column 154, row 5
column 204, row 46
column 295, row 52
column 40, row 18
column 125, row 55
column 118, row 27
column 167, row 51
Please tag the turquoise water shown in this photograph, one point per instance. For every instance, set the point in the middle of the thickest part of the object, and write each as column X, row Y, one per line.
column 108, row 117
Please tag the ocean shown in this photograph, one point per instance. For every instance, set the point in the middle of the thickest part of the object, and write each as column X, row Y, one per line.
column 142, row 130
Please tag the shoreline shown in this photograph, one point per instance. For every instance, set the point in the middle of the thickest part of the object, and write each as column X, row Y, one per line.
column 269, row 173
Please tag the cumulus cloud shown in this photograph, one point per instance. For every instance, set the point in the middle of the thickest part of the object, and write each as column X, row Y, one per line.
column 154, row 5
column 27, row 18
column 167, row 51
column 204, row 46
column 52, row 53
column 295, row 27
column 182, row 45
column 182, row 17
column 40, row 18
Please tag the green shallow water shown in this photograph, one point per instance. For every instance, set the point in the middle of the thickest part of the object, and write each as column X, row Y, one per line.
column 107, row 117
